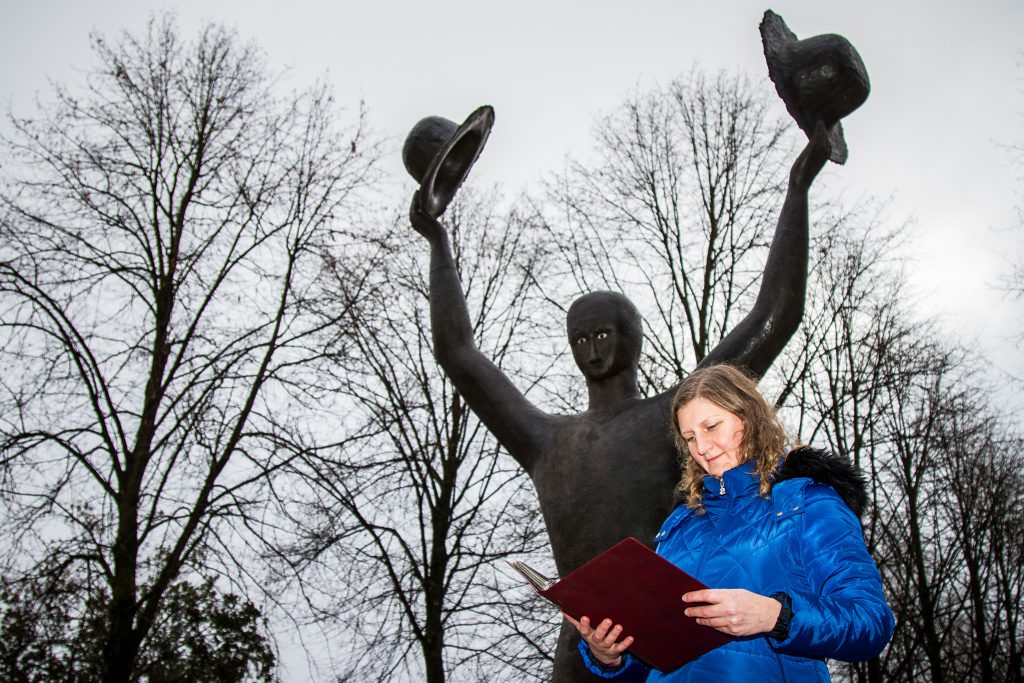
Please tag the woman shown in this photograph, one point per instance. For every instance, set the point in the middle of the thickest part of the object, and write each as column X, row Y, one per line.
column 776, row 536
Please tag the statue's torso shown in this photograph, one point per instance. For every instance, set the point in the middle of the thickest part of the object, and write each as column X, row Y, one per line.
column 601, row 480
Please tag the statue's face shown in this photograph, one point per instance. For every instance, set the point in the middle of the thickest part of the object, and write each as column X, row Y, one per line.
column 600, row 342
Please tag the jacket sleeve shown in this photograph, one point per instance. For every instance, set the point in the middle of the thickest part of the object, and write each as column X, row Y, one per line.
column 841, row 612
column 632, row 669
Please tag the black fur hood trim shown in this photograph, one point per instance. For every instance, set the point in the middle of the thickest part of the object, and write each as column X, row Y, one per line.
column 825, row 467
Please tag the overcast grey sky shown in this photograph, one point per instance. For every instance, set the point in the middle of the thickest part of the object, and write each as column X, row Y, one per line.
column 947, row 92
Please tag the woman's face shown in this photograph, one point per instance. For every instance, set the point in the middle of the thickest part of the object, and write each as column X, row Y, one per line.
column 713, row 434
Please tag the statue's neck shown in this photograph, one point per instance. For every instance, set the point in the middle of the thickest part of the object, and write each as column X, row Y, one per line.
column 610, row 393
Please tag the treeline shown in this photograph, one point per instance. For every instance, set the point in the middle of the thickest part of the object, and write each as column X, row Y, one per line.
column 221, row 420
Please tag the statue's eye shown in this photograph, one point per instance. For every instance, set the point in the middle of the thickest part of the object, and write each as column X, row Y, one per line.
column 602, row 335
column 581, row 340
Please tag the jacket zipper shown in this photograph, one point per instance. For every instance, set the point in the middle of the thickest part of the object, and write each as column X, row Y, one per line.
column 721, row 486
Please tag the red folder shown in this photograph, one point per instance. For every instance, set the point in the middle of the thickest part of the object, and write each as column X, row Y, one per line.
column 634, row 586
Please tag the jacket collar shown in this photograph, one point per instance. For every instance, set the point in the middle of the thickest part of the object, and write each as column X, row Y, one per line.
column 740, row 480
column 830, row 469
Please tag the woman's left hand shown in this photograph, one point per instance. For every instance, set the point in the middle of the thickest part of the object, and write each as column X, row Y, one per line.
column 734, row 611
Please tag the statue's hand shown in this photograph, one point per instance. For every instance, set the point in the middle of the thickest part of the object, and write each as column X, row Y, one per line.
column 422, row 222
column 812, row 159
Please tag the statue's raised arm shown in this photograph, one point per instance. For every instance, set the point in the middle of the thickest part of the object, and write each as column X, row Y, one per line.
column 821, row 80
column 439, row 154
column 760, row 336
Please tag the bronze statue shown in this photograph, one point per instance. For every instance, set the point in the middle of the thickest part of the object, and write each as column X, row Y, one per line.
column 608, row 472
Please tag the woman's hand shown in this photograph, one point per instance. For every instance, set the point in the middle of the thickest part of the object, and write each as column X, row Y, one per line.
column 604, row 640
column 736, row 612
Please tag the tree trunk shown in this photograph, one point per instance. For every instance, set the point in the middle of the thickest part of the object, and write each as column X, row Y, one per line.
column 933, row 648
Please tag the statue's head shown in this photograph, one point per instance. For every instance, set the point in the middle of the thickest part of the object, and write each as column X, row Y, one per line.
column 605, row 333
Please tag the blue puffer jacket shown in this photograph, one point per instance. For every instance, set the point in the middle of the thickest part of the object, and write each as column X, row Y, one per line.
column 804, row 541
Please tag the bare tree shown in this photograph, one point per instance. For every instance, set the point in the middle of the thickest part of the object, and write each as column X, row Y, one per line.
column 403, row 546
column 983, row 527
column 676, row 208
column 163, row 229
column 880, row 385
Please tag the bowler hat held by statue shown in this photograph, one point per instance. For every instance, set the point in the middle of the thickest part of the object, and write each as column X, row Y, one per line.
column 438, row 155
column 821, row 78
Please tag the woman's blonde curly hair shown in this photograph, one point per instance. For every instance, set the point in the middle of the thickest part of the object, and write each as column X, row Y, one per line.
column 764, row 439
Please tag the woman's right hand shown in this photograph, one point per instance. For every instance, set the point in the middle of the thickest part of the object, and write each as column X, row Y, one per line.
column 604, row 640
